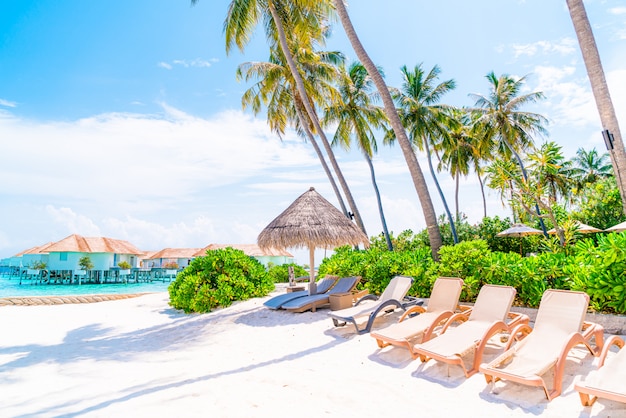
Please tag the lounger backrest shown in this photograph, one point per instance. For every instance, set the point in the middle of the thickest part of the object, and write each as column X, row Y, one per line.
column 561, row 311
column 345, row 285
column 326, row 283
column 397, row 288
column 493, row 303
column 445, row 294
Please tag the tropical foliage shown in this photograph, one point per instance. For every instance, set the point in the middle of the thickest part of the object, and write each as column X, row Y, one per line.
column 217, row 279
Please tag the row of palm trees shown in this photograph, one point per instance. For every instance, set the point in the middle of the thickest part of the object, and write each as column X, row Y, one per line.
column 300, row 81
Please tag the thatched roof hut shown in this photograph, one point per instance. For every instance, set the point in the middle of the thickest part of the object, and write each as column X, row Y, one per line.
column 312, row 222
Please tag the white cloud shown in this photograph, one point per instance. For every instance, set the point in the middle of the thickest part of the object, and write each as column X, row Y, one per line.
column 565, row 46
column 198, row 63
column 617, row 10
column 7, row 103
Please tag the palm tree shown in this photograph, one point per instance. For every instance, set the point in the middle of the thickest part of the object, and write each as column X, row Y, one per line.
column 503, row 175
column 298, row 18
column 510, row 128
column 355, row 116
column 552, row 170
column 600, row 90
column 459, row 149
column 430, row 216
column 589, row 166
column 276, row 90
column 423, row 117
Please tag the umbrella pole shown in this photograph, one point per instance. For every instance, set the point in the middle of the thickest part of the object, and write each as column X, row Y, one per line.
column 312, row 285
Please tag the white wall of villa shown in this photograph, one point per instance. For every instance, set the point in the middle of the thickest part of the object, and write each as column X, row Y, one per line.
column 100, row 261
column 29, row 260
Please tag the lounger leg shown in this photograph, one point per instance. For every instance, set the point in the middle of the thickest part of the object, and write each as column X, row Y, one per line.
column 586, row 400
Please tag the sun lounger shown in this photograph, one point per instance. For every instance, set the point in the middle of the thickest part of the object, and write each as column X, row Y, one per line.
column 559, row 327
column 608, row 382
column 322, row 287
column 312, row 302
column 443, row 301
column 488, row 317
column 370, row 306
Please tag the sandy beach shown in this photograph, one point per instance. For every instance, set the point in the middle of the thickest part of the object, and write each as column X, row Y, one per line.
column 139, row 357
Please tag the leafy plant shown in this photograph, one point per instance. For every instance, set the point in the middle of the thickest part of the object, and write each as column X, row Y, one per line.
column 39, row 265
column 85, row 263
column 124, row 265
column 217, row 279
column 280, row 274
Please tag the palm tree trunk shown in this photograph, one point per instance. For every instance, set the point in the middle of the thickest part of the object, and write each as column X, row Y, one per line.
column 380, row 203
column 457, row 177
column 318, row 151
column 455, row 238
column 600, row 89
column 417, row 175
column 312, row 115
column 482, row 190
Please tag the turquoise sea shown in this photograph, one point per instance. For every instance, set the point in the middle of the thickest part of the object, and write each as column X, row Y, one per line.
column 10, row 287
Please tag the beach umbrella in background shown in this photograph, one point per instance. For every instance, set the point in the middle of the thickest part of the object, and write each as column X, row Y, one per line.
column 617, row 228
column 582, row 228
column 311, row 222
column 519, row 231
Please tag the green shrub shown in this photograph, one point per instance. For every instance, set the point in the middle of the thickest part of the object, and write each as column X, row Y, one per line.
column 217, row 279
column 601, row 272
column 124, row 265
column 280, row 274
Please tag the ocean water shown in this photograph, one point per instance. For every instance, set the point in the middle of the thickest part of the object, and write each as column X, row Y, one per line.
column 10, row 287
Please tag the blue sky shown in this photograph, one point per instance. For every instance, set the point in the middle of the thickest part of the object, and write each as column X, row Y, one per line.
column 123, row 119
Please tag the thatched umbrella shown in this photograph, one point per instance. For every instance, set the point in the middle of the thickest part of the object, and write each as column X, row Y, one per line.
column 617, row 228
column 311, row 221
column 519, row 230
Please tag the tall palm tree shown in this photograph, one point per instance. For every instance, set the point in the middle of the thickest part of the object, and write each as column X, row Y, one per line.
column 600, row 89
column 511, row 128
column 589, row 166
column 430, row 216
column 459, row 149
column 276, row 90
column 355, row 116
column 423, row 117
column 298, row 18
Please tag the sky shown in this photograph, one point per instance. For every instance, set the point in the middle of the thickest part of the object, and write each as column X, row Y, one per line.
column 124, row 119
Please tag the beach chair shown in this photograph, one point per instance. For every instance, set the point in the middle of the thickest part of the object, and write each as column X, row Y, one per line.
column 312, row 302
column 323, row 286
column 489, row 316
column 559, row 327
column 609, row 381
column 442, row 304
column 369, row 307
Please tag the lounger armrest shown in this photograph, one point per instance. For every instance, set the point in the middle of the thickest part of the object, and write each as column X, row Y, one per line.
column 457, row 317
column 412, row 311
column 411, row 301
column 518, row 333
column 590, row 330
column 366, row 297
column 612, row 340
column 516, row 318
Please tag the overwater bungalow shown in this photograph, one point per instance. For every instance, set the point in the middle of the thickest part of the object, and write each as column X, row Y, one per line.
column 265, row 257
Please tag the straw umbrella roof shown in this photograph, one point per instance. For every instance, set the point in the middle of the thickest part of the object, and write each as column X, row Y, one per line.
column 617, row 228
column 582, row 228
column 311, row 221
column 519, row 230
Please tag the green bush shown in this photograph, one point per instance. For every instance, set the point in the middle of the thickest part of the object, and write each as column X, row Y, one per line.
column 217, row 279
column 280, row 274
column 601, row 272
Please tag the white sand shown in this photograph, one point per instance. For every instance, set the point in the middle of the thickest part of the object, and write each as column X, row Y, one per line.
column 139, row 357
